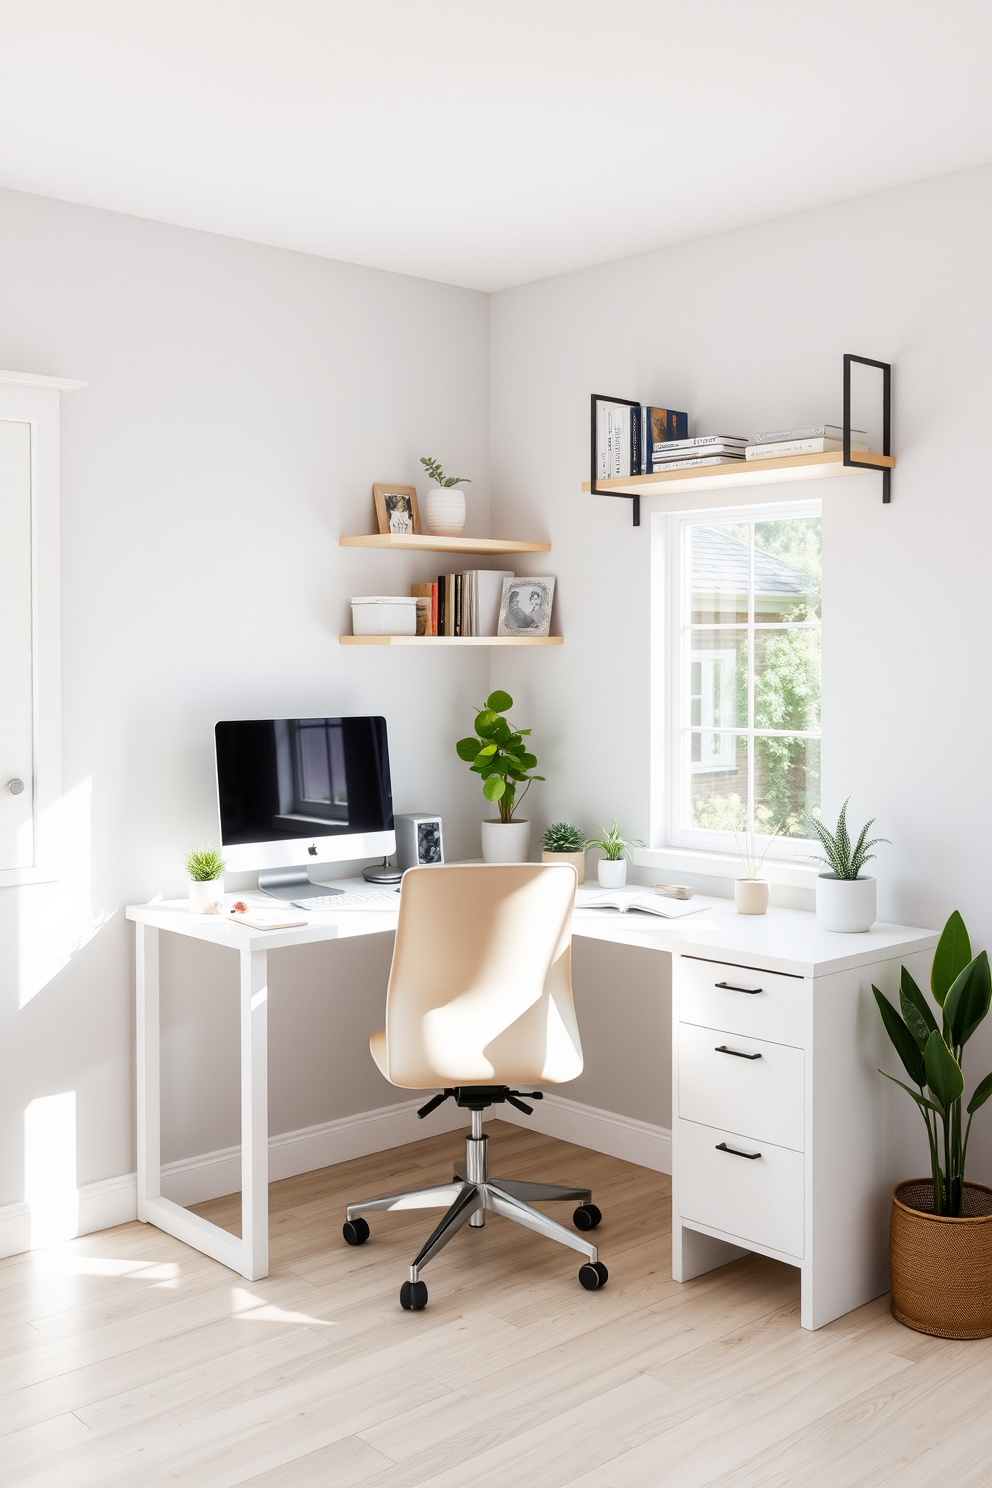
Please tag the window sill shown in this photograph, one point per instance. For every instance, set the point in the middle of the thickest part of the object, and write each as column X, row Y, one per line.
column 724, row 865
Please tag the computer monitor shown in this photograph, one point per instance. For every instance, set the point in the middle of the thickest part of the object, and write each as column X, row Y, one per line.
column 297, row 792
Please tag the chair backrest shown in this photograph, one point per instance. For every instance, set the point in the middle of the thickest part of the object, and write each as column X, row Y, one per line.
column 480, row 990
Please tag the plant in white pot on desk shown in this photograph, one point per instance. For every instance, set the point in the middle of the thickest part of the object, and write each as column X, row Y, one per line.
column 845, row 898
column 612, row 867
column 499, row 754
column 206, row 886
column 445, row 506
column 565, row 843
column 751, row 891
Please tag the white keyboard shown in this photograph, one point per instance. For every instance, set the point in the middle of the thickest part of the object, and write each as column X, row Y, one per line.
column 359, row 899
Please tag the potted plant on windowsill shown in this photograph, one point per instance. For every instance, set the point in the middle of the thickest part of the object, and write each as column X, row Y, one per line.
column 498, row 753
column 611, row 869
column 445, row 506
column 940, row 1233
column 564, row 843
column 845, row 898
column 206, row 886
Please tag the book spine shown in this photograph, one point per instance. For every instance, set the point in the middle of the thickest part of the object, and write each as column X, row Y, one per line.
column 459, row 594
column 635, row 441
column 698, row 460
column 449, row 604
column 442, row 609
column 434, row 609
column 800, row 447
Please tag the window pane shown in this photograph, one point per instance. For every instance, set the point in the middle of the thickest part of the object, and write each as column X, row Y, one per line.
column 786, row 783
column 787, row 679
column 787, row 569
column 719, row 564
column 717, row 765
column 718, row 679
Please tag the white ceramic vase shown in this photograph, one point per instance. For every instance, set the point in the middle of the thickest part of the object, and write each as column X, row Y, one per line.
column 612, row 873
column 845, row 904
column 445, row 510
column 751, row 895
column 505, row 842
column 206, row 898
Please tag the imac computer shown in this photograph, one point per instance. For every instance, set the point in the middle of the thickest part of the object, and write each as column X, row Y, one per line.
column 298, row 792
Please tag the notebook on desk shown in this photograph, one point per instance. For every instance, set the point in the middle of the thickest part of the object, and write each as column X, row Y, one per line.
column 642, row 900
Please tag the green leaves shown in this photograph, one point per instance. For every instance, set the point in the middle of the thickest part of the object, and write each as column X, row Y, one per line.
column 944, row 1076
column 905, row 1044
column 968, row 1000
column 499, row 702
column 845, row 861
column 498, row 753
column 982, row 1092
column 437, row 475
column 950, row 958
column 915, row 1010
column 467, row 749
column 494, row 788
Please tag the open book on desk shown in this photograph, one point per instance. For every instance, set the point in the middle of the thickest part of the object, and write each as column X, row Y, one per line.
column 641, row 899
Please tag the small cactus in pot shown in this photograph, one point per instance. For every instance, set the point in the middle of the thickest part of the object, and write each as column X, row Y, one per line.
column 565, row 843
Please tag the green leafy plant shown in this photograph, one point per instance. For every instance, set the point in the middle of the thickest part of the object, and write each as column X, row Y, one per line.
column 205, row 864
column 845, row 860
column 931, row 1054
column 438, row 476
column 498, row 753
column 563, row 837
column 612, row 845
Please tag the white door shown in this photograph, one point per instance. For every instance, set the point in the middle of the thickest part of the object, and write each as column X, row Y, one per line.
column 16, row 658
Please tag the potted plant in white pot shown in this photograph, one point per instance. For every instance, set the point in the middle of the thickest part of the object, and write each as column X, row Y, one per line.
column 498, row 753
column 445, row 506
column 611, row 869
column 845, row 897
column 564, row 843
column 206, row 886
column 940, row 1233
column 751, row 891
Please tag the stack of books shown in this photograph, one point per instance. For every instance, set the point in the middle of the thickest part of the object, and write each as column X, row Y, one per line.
column 809, row 439
column 706, row 449
column 626, row 437
column 464, row 604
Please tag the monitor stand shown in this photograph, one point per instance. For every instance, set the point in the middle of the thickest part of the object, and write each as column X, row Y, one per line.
column 292, row 883
column 382, row 873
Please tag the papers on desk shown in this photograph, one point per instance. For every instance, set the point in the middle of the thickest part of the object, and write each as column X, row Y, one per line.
column 646, row 902
column 267, row 919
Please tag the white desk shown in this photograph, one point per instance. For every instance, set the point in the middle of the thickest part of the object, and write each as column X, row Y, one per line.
column 829, row 976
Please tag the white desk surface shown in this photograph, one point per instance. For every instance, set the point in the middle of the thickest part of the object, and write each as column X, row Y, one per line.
column 788, row 940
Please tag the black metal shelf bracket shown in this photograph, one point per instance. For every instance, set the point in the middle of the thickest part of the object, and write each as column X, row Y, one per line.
column 886, row 370
column 594, row 452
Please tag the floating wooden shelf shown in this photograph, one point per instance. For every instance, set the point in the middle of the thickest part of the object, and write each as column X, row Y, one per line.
column 354, row 640
column 422, row 542
column 740, row 473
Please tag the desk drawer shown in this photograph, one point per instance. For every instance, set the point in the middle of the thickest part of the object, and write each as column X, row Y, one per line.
column 746, row 1085
column 758, row 1200
column 741, row 999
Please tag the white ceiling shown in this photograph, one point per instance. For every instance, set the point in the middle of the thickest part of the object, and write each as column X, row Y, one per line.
column 485, row 145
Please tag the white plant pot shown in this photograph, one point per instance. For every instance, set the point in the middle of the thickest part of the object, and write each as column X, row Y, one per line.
column 445, row 509
column 845, row 904
column 612, row 873
column 751, row 895
column 206, row 898
column 506, row 842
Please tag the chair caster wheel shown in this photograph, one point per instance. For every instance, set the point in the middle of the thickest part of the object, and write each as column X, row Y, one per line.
column 355, row 1231
column 593, row 1275
column 586, row 1217
column 413, row 1296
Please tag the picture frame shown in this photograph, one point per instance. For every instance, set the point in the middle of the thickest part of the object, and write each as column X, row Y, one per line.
column 525, row 607
column 396, row 508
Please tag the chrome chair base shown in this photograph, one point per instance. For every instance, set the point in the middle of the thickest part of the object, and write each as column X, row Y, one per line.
column 471, row 1194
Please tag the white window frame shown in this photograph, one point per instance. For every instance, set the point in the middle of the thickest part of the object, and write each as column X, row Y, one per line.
column 671, row 846
column 25, row 398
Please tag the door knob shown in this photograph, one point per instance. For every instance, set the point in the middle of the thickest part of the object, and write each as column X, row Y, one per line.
column 15, row 787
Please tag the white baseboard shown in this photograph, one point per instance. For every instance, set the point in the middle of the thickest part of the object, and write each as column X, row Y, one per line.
column 601, row 1131
column 193, row 1180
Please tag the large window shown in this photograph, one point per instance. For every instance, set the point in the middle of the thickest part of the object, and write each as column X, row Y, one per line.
column 746, row 696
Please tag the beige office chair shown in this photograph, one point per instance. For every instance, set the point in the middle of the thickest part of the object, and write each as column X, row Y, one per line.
column 480, row 1000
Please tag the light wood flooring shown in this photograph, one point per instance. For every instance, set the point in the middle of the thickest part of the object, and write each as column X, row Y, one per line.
column 128, row 1360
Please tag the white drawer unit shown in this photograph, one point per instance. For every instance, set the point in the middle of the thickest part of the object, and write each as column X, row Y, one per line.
column 748, row 1086
column 741, row 999
column 752, row 1190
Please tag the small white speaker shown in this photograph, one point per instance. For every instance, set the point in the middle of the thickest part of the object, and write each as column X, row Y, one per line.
column 418, row 841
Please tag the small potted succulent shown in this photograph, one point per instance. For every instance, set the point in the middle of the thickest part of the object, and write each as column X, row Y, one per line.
column 940, row 1232
column 845, row 898
column 499, row 754
column 612, row 867
column 564, row 843
column 445, row 506
column 206, row 886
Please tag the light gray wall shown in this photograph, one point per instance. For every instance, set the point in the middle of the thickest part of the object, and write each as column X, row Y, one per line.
column 241, row 402
column 746, row 330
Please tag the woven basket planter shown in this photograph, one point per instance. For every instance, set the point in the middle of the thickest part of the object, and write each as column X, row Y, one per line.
column 941, row 1268
column 577, row 860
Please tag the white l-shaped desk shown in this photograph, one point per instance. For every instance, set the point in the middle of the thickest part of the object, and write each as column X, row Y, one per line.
column 804, row 1096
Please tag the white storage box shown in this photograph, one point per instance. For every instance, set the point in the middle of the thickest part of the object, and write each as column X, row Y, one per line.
column 383, row 614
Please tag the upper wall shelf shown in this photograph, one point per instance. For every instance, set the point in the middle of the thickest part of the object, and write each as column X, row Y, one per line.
column 742, row 473
column 422, row 542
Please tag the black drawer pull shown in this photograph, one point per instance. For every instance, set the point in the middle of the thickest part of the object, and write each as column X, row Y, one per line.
column 737, row 1053
column 736, row 987
column 736, row 1151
